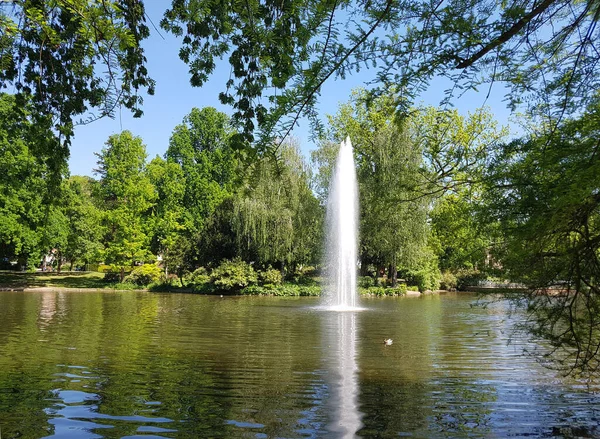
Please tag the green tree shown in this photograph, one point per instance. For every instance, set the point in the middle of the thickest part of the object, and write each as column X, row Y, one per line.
column 128, row 196
column 169, row 222
column 458, row 151
column 276, row 218
column 544, row 191
column 84, row 243
column 200, row 146
column 459, row 236
column 24, row 199
column 545, row 52
column 70, row 57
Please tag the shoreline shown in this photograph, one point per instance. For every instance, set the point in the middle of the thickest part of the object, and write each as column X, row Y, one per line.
column 100, row 290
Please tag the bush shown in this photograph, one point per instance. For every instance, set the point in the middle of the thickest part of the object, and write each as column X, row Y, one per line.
column 366, row 281
column 270, row 276
column 207, row 288
column 448, row 281
column 468, row 277
column 399, row 290
column 289, row 290
column 125, row 286
column 144, row 275
column 233, row 275
column 199, row 276
column 112, row 274
column 426, row 277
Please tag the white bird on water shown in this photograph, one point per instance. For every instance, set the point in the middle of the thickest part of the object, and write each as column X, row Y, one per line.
column 388, row 341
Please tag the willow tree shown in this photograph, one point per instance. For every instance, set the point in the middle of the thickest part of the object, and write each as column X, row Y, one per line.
column 276, row 218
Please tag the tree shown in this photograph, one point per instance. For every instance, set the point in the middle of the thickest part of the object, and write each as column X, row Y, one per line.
column 169, row 221
column 545, row 192
column 72, row 56
column 276, row 218
column 128, row 196
column 200, row 146
column 544, row 51
column 24, row 201
column 461, row 238
column 84, row 221
column 457, row 151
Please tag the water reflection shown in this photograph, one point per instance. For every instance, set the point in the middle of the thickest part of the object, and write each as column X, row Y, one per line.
column 343, row 402
column 137, row 364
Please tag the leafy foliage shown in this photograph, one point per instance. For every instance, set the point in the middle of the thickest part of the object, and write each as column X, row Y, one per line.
column 128, row 195
column 547, row 199
column 389, row 171
column 291, row 290
column 276, row 218
column 545, row 52
column 270, row 276
column 233, row 275
column 144, row 275
column 399, row 290
column 24, row 197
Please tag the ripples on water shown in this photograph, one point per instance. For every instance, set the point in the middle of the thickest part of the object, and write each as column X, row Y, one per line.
column 147, row 365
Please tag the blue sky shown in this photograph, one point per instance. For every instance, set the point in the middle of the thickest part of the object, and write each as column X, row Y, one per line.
column 175, row 97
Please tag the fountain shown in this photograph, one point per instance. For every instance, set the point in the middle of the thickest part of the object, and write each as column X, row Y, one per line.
column 341, row 294
column 342, row 232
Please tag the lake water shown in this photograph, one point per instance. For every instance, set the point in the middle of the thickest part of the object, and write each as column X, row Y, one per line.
column 133, row 364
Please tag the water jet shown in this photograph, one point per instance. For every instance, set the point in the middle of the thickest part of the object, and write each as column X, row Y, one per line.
column 342, row 232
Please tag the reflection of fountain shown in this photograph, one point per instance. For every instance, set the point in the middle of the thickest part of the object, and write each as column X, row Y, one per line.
column 342, row 231
column 346, row 418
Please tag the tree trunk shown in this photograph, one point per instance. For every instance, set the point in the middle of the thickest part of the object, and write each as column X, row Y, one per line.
column 165, row 259
column 393, row 273
column 71, row 267
column 122, row 274
column 58, row 263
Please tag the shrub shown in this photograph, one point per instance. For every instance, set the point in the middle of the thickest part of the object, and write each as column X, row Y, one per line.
column 206, row 288
column 112, row 274
column 427, row 277
column 468, row 277
column 365, row 281
column 448, row 281
column 199, row 276
column 144, row 275
column 270, row 276
column 399, row 290
column 290, row 290
column 233, row 275
column 125, row 286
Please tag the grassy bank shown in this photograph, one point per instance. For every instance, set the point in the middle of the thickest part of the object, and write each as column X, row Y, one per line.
column 20, row 280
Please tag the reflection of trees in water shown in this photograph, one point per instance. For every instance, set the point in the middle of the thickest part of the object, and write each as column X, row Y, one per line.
column 205, row 360
column 417, row 384
column 393, row 395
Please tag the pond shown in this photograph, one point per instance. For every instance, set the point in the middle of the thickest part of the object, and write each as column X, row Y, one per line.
column 136, row 364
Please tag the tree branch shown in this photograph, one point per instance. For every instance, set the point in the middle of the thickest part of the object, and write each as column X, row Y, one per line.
column 503, row 38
